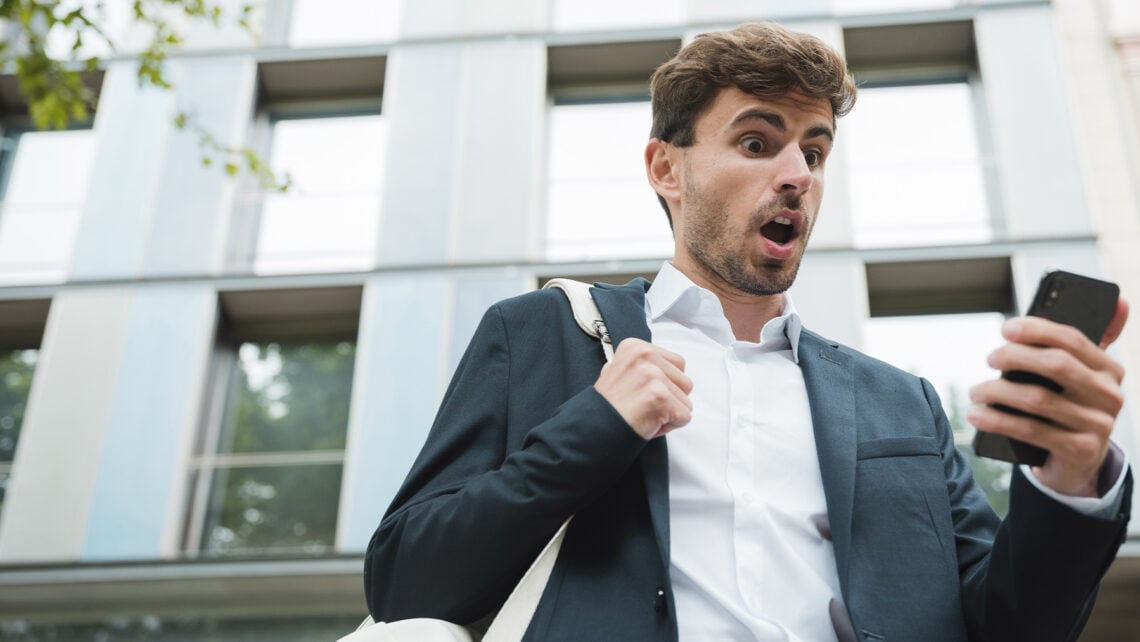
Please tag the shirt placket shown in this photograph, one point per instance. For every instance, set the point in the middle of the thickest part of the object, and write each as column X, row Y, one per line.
column 747, row 511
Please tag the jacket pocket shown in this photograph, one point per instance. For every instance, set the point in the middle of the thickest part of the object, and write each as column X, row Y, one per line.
column 897, row 447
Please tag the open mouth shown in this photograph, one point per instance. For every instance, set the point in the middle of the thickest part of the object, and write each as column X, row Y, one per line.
column 779, row 230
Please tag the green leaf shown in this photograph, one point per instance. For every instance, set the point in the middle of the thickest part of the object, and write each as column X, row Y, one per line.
column 232, row 168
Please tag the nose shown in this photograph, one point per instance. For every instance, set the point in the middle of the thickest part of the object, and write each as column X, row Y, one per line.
column 793, row 176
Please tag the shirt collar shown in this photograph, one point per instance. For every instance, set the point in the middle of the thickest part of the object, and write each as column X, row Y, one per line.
column 674, row 295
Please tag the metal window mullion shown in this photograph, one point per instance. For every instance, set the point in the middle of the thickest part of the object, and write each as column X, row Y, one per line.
column 225, row 363
column 268, row 459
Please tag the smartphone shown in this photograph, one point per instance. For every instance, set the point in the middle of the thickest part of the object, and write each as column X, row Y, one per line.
column 1082, row 302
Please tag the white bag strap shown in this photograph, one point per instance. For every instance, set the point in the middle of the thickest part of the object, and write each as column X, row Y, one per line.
column 514, row 618
column 585, row 311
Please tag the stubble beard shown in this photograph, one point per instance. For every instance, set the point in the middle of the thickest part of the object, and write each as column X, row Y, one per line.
column 720, row 250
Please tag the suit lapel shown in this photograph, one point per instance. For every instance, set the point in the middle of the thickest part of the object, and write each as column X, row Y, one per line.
column 623, row 310
column 831, row 396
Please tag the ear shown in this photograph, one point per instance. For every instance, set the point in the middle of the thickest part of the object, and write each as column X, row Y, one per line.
column 663, row 168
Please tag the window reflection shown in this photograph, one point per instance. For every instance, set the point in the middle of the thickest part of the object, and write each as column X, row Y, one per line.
column 950, row 351
column 915, row 166
column 328, row 220
column 599, row 202
column 16, row 370
column 47, row 178
column 272, row 481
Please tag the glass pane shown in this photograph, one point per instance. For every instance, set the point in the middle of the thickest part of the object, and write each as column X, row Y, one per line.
column 329, row 219
column 916, row 168
column 600, row 203
column 16, row 369
column 322, row 22
column 288, row 397
column 272, row 510
column 184, row 628
column 952, row 363
column 42, row 204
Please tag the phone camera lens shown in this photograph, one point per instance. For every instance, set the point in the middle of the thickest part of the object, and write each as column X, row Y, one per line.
column 1051, row 300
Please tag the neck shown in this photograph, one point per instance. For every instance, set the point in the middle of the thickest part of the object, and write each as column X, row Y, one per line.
column 746, row 313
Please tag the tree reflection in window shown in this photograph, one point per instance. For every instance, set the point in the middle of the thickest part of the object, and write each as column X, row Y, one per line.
column 276, row 475
column 16, row 369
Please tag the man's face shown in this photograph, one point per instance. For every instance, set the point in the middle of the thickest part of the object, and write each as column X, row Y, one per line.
column 750, row 189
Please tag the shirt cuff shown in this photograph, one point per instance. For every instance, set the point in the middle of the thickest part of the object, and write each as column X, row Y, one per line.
column 1109, row 484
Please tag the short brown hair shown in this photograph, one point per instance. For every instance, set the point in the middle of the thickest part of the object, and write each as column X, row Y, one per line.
column 760, row 58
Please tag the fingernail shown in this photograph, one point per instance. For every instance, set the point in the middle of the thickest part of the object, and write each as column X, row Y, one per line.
column 974, row 415
column 1013, row 328
column 973, row 394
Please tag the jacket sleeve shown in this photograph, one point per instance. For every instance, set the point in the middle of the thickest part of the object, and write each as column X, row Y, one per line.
column 485, row 495
column 1036, row 577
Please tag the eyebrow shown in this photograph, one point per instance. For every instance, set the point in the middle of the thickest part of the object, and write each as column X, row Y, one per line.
column 777, row 121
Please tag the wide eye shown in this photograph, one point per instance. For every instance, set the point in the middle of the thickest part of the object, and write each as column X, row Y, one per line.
column 813, row 158
column 753, row 145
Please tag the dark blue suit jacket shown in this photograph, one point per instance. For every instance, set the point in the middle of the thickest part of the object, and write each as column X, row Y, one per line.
column 522, row 441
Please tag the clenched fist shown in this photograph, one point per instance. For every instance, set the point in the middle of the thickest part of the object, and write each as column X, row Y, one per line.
column 648, row 387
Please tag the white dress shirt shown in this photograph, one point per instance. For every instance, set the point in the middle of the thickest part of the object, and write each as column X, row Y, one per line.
column 751, row 552
column 749, row 560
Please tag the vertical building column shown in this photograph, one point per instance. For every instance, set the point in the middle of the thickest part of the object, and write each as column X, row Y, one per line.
column 188, row 230
column 133, row 126
column 464, row 170
column 413, row 331
column 400, row 359
column 1034, row 140
column 830, row 295
column 65, row 426
column 139, row 496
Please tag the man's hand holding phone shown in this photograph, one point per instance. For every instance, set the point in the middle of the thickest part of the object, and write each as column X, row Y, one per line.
column 1074, row 423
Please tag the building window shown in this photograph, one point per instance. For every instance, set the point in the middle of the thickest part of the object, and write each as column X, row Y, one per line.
column 16, row 370
column 45, row 178
column 600, row 204
column 916, row 167
column 267, row 479
column 329, row 220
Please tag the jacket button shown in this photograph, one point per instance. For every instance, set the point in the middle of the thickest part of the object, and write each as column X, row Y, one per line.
column 659, row 600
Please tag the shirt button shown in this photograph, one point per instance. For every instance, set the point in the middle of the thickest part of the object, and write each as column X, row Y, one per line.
column 659, row 600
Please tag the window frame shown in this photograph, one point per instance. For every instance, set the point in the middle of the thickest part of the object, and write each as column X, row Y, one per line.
column 266, row 316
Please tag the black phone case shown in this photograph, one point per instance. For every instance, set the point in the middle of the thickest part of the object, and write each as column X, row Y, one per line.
column 1082, row 302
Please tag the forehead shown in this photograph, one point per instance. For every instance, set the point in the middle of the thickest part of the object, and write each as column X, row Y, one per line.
column 730, row 107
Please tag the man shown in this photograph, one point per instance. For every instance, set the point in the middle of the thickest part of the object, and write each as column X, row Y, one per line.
column 732, row 475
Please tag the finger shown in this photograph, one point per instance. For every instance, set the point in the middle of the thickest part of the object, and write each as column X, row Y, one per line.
column 1082, row 449
column 1080, row 383
column 1116, row 325
column 1058, row 411
column 672, row 358
column 1035, row 331
column 1032, row 333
